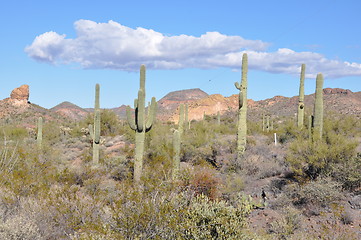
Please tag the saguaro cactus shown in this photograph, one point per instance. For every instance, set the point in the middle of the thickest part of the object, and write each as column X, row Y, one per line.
column 176, row 154
column 95, row 131
column 140, row 125
column 301, row 96
column 186, row 120
column 39, row 137
column 218, row 118
column 242, row 109
column 318, row 108
column 181, row 119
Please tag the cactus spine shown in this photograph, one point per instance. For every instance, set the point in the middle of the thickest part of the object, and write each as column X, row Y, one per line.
column 95, row 130
column 140, row 125
column 301, row 105
column 176, row 154
column 39, row 137
column 242, row 111
column 318, row 108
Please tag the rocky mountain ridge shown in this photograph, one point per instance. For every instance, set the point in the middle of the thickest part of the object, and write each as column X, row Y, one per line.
column 338, row 100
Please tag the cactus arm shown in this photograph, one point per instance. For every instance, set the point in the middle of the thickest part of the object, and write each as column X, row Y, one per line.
column 236, row 84
column 152, row 109
column 130, row 119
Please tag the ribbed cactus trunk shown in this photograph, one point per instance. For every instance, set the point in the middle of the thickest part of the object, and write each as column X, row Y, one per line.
column 39, row 137
column 310, row 127
column 218, row 118
column 301, row 97
column 96, row 129
column 181, row 119
column 176, row 154
column 140, row 124
column 268, row 123
column 263, row 122
column 242, row 109
column 318, row 108
column 186, row 120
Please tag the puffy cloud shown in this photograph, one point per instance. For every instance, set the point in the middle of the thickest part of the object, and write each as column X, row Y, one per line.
column 112, row 45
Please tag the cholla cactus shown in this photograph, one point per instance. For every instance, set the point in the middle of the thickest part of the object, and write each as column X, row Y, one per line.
column 140, row 124
column 242, row 109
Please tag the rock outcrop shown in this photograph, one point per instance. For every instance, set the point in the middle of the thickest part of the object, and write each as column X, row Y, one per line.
column 21, row 93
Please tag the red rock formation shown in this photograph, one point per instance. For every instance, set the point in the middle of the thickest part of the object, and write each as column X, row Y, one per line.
column 20, row 93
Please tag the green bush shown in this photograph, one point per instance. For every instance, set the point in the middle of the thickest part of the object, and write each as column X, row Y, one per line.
column 311, row 159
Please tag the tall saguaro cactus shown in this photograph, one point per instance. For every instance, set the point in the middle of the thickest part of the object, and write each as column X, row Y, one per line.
column 242, row 109
column 181, row 119
column 176, row 154
column 318, row 108
column 95, row 131
column 301, row 97
column 186, row 119
column 39, row 137
column 140, row 124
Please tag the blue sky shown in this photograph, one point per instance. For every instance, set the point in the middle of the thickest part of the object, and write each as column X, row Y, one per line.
column 63, row 48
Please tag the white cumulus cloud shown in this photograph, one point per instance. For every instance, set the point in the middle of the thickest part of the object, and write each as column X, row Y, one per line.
column 112, row 45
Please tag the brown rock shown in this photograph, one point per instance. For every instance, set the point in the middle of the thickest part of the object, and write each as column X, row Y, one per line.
column 20, row 93
column 336, row 91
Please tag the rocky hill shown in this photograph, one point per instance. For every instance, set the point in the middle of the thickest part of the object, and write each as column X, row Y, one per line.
column 337, row 100
column 70, row 110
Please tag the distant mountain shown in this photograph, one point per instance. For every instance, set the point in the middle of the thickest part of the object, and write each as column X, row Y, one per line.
column 70, row 110
column 337, row 100
column 18, row 109
column 120, row 111
column 170, row 102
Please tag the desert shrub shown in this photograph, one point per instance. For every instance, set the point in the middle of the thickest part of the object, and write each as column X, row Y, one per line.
column 348, row 173
column 119, row 168
column 207, row 219
column 19, row 227
column 164, row 214
column 287, row 224
column 322, row 192
column 110, row 124
column 206, row 181
column 13, row 132
column 311, row 159
column 342, row 125
column 288, row 131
